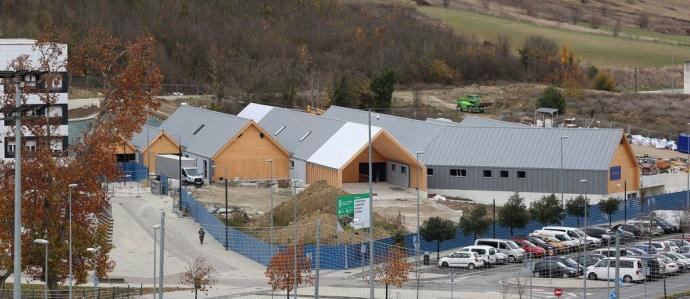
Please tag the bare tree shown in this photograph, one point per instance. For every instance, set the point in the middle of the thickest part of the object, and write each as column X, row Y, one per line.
column 643, row 20
column 199, row 275
column 416, row 99
column 617, row 28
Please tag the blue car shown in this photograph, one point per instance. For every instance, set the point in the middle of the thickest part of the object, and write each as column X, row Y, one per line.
column 646, row 248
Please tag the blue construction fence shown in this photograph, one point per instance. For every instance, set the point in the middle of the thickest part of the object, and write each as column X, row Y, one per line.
column 133, row 171
column 339, row 257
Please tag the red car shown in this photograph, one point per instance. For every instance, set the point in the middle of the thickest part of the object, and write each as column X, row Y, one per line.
column 531, row 249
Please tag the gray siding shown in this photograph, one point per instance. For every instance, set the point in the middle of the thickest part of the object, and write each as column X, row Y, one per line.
column 537, row 180
column 396, row 176
column 299, row 171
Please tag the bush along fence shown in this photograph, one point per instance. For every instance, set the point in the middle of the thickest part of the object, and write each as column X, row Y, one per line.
column 339, row 257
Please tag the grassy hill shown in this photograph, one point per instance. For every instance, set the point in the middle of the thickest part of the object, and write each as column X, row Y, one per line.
column 593, row 48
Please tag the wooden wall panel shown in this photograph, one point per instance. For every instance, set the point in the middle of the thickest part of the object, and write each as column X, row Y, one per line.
column 162, row 145
column 317, row 172
column 245, row 157
column 625, row 158
column 351, row 171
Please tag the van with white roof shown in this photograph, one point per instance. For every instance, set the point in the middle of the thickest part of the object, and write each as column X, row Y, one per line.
column 507, row 247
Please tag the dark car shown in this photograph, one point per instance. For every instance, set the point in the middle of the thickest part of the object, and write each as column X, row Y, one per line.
column 565, row 260
column 646, row 248
column 654, row 265
column 589, row 260
column 634, row 229
column 601, row 233
column 550, row 249
column 666, row 226
column 635, row 251
column 553, row 268
column 625, row 236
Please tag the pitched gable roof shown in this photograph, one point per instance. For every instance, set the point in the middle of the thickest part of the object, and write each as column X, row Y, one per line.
column 148, row 135
column 203, row 132
column 585, row 149
column 413, row 134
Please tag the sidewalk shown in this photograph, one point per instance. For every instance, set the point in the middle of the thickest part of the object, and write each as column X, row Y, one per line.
column 565, row 283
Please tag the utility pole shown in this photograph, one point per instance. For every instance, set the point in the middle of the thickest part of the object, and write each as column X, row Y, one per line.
column 560, row 176
column 371, row 219
column 618, row 257
column 318, row 259
column 417, row 244
column 17, row 270
column 294, row 215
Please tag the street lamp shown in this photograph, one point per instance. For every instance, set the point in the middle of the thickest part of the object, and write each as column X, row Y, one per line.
column 45, row 269
column 417, row 244
column 625, row 200
column 225, row 178
column 560, row 175
column 95, row 273
column 687, row 169
column 155, row 241
column 69, row 201
column 371, row 213
column 584, row 276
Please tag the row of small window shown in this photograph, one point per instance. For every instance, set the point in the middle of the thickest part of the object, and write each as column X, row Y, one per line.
column 459, row 172
column 55, row 145
column 403, row 169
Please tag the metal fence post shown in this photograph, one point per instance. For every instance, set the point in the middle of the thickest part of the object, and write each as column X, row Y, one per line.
column 318, row 257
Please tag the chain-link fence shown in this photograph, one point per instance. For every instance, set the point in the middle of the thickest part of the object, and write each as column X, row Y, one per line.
column 108, row 292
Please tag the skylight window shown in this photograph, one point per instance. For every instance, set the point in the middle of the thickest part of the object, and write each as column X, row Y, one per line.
column 305, row 136
column 199, row 129
column 279, row 130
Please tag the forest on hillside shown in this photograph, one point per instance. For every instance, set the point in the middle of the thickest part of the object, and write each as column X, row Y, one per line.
column 273, row 50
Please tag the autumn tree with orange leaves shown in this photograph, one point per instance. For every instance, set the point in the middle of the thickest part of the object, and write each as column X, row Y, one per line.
column 130, row 79
column 281, row 271
column 394, row 270
column 198, row 275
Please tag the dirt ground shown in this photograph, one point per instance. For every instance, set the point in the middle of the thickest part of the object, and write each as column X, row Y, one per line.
column 656, row 153
column 255, row 201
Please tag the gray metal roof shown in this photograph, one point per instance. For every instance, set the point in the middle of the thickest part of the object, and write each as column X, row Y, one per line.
column 413, row 134
column 203, row 132
column 77, row 128
column 140, row 140
column 547, row 110
column 297, row 124
column 585, row 149
column 471, row 121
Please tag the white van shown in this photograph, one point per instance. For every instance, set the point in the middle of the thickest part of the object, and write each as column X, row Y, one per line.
column 576, row 234
column 507, row 247
column 630, row 270
column 487, row 253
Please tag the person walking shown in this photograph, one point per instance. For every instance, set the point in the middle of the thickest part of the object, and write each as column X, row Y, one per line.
column 201, row 235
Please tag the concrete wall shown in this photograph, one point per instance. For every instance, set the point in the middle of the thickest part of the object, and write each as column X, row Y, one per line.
column 395, row 174
column 665, row 183
column 537, row 180
column 686, row 78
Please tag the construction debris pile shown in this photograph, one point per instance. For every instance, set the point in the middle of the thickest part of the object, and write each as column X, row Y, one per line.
column 653, row 142
column 649, row 165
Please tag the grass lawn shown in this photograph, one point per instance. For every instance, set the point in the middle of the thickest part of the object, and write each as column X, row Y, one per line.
column 597, row 49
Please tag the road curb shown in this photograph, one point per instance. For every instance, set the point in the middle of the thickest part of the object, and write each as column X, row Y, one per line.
column 579, row 287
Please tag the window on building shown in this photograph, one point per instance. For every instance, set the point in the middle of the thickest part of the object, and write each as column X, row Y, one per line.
column 521, row 174
column 261, row 135
column 305, row 136
column 56, row 146
column 487, row 173
column 11, row 147
column 403, row 169
column 31, row 145
column 430, row 171
column 458, row 172
column 504, row 174
column 392, row 167
column 279, row 130
column 292, row 164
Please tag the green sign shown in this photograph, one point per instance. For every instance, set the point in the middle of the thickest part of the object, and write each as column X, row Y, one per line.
column 345, row 205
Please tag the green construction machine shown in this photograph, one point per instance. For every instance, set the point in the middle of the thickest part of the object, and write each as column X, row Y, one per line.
column 471, row 103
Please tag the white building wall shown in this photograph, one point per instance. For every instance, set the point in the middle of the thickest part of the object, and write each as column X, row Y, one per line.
column 686, row 77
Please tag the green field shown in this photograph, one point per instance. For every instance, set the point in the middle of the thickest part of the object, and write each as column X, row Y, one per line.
column 600, row 50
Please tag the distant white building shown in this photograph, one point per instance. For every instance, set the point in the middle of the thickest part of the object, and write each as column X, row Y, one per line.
column 10, row 49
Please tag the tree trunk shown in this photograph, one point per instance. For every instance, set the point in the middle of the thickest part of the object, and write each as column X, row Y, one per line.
column 288, row 294
column 3, row 279
column 438, row 250
column 386, row 291
column 196, row 291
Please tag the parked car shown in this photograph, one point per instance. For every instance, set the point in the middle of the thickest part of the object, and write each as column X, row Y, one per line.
column 560, row 246
column 530, row 249
column 653, row 266
column 635, row 251
column 647, row 227
column 630, row 270
column 685, row 251
column 468, row 260
column 565, row 260
column 633, row 229
column 610, row 251
column 486, row 253
column 571, row 243
column 670, row 267
column 501, row 258
column 575, row 234
column 646, row 248
column 660, row 246
column 586, row 261
column 682, row 261
column 673, row 217
column 625, row 236
column 680, row 242
column 668, row 227
column 549, row 248
column 601, row 233
column 552, row 268
column 507, row 247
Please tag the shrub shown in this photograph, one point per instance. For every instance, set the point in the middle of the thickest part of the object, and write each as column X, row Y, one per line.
column 552, row 98
column 604, row 81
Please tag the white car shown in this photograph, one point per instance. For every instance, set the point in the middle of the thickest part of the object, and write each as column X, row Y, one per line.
column 672, row 245
column 682, row 261
column 502, row 258
column 486, row 253
column 507, row 247
column 670, row 266
column 630, row 270
column 469, row 260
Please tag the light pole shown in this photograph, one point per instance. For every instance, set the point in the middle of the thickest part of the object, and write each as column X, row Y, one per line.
column 45, row 268
column 687, row 191
column 418, row 243
column 95, row 273
column 225, row 178
column 270, row 191
column 371, row 217
column 584, row 276
column 560, row 175
column 155, row 241
column 69, row 202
